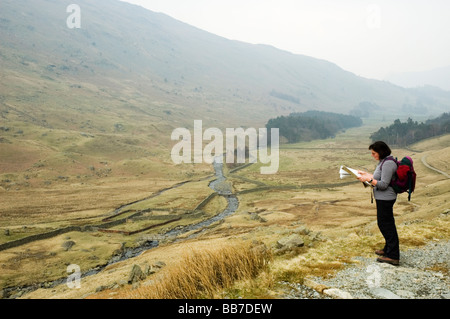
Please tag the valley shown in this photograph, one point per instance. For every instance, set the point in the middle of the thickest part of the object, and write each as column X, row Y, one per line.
column 304, row 192
column 88, row 180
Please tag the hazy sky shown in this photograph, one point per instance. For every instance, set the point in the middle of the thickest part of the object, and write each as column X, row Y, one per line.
column 369, row 38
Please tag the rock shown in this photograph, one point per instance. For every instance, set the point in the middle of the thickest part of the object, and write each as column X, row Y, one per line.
column 384, row 293
column 101, row 288
column 136, row 275
column 7, row 233
column 315, row 285
column 301, row 230
column 150, row 270
column 446, row 296
column 255, row 216
column 68, row 245
column 290, row 242
column 337, row 293
column 315, row 236
column 147, row 270
column 159, row 264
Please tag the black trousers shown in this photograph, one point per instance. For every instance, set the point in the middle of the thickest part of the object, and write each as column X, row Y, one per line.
column 386, row 224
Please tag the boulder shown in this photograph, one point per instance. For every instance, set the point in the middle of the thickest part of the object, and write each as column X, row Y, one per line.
column 255, row 216
column 301, row 230
column 159, row 264
column 315, row 285
column 68, row 245
column 136, row 275
column 290, row 242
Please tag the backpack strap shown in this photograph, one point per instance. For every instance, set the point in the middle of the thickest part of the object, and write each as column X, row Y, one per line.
column 389, row 158
column 410, row 177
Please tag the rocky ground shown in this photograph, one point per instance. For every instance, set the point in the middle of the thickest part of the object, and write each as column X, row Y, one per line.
column 422, row 274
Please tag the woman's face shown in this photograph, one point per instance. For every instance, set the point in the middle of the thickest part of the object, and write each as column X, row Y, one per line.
column 375, row 155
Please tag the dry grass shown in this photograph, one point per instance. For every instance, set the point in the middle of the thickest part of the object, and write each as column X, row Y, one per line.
column 204, row 274
column 72, row 203
column 343, row 214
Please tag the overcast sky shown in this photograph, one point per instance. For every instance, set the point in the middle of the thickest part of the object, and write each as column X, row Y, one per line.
column 369, row 38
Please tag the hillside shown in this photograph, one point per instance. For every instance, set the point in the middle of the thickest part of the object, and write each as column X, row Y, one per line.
column 86, row 176
column 130, row 61
column 439, row 77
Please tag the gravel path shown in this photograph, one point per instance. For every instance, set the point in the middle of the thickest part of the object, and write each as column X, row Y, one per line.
column 422, row 274
column 424, row 161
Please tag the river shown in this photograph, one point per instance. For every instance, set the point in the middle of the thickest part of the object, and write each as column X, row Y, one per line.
column 215, row 185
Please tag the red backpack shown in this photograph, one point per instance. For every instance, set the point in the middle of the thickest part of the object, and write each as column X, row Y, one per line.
column 404, row 180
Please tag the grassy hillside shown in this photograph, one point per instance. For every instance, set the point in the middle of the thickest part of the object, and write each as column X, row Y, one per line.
column 114, row 90
column 339, row 217
column 86, row 117
column 125, row 56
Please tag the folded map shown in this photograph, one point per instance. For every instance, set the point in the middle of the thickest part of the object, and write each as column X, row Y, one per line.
column 347, row 171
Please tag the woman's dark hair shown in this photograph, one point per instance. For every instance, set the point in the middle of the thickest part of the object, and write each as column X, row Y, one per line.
column 381, row 148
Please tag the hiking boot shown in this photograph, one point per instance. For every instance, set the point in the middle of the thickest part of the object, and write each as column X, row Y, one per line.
column 387, row 260
column 379, row 252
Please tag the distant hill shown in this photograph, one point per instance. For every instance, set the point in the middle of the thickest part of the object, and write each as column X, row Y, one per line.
column 128, row 65
column 439, row 77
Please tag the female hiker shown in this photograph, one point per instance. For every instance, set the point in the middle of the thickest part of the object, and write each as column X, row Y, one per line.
column 385, row 197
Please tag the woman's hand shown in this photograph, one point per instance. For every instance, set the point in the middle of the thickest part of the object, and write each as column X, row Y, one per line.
column 365, row 177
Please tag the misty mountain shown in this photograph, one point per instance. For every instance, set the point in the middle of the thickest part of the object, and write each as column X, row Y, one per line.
column 439, row 77
column 129, row 64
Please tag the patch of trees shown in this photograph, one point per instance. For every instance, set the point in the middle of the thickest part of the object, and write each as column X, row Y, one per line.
column 409, row 132
column 312, row 125
column 285, row 97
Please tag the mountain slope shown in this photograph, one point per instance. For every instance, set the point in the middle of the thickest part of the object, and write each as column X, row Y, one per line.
column 439, row 77
column 124, row 55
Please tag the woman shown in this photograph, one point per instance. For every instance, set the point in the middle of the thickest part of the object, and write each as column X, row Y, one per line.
column 385, row 197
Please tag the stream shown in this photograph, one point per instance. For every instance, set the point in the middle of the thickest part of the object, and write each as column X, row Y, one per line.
column 216, row 185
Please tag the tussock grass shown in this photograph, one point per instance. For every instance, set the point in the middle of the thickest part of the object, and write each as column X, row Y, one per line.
column 204, row 274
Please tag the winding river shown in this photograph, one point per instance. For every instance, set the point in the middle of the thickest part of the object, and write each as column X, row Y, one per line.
column 232, row 200
column 215, row 185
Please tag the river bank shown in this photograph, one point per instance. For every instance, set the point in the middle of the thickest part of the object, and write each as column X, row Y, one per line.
column 127, row 253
